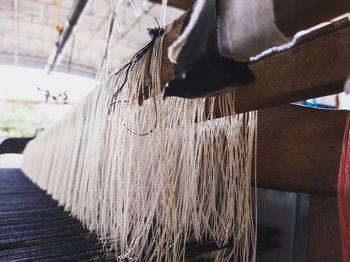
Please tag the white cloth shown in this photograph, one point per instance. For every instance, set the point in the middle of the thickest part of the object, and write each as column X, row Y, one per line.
column 245, row 29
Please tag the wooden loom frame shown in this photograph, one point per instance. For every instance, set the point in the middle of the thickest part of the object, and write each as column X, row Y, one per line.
column 306, row 142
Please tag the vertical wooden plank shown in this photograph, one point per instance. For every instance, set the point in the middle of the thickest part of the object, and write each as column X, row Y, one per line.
column 299, row 149
column 323, row 235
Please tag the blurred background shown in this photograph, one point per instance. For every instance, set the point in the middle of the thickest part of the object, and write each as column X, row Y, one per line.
column 30, row 98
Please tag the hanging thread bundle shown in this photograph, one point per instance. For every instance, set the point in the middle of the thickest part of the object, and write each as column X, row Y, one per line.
column 187, row 178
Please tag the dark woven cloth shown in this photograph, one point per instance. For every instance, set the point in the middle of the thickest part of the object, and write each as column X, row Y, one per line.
column 34, row 228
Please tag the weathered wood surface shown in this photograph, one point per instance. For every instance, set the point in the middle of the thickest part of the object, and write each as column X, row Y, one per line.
column 295, row 15
column 316, row 67
column 299, row 149
column 323, row 233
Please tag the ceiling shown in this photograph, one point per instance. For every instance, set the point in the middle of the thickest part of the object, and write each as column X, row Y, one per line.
column 28, row 32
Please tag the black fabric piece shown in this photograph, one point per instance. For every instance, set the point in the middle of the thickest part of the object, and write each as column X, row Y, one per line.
column 200, row 71
column 14, row 145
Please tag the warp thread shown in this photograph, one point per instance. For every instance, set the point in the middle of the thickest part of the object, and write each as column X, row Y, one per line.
column 147, row 196
column 153, row 33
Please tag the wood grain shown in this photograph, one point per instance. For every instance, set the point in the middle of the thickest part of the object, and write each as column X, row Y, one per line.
column 292, row 16
column 313, row 69
column 323, row 237
column 299, row 149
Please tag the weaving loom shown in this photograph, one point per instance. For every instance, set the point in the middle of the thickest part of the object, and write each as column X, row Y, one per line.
column 148, row 177
column 157, row 208
column 34, row 227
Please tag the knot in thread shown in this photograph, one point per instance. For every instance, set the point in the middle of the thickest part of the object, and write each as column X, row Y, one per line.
column 155, row 32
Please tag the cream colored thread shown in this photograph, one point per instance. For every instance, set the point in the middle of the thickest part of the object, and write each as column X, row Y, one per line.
column 188, row 180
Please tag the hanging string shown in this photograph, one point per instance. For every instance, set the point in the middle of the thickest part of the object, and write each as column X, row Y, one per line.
column 147, row 197
column 153, row 34
column 71, row 56
column 163, row 13
column 137, row 9
column 103, row 70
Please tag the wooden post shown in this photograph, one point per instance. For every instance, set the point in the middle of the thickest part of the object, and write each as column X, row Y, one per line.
column 323, row 232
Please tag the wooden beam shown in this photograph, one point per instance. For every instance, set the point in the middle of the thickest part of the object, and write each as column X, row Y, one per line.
column 295, row 15
column 317, row 66
column 292, row 15
column 299, row 149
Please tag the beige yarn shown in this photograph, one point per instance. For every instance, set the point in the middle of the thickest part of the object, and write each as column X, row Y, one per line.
column 148, row 180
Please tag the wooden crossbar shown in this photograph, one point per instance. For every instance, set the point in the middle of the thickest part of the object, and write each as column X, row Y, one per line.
column 317, row 66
